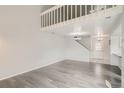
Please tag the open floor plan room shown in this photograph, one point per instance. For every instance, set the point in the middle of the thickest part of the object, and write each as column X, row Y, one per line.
column 61, row 46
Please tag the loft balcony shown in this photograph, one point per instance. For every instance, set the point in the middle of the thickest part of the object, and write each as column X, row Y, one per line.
column 62, row 15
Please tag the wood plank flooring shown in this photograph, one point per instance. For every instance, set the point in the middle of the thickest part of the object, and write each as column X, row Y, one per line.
column 67, row 74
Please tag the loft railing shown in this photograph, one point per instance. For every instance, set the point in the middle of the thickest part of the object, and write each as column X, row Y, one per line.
column 63, row 13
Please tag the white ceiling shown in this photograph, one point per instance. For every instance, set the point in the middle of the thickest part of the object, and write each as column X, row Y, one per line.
column 46, row 7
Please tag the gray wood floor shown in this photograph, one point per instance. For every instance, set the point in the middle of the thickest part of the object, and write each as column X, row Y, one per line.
column 67, row 74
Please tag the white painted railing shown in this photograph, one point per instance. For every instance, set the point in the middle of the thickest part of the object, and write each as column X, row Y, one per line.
column 63, row 13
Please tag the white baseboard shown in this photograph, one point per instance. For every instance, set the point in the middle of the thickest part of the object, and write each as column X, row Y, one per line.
column 35, row 68
column 77, row 60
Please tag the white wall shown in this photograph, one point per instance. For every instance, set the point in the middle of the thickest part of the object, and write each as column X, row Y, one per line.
column 116, row 60
column 122, row 60
column 115, row 41
column 116, row 47
column 24, row 47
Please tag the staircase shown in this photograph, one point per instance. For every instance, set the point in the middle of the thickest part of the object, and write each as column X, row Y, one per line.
column 85, row 41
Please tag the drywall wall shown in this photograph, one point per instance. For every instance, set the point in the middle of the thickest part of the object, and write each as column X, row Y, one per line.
column 122, row 45
column 75, row 51
column 116, row 46
column 122, row 61
column 23, row 46
column 116, row 60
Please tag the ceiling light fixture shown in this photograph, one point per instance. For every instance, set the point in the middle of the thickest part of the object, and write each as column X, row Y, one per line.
column 79, row 34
